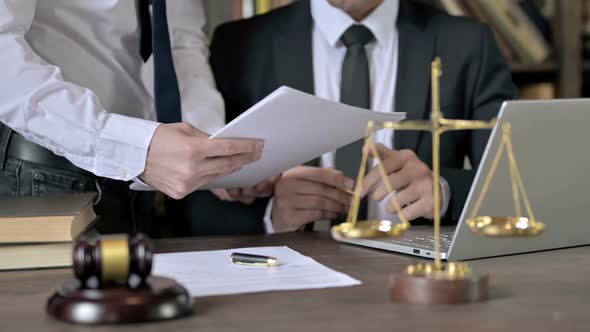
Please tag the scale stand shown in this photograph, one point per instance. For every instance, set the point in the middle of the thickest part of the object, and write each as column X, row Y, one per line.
column 452, row 282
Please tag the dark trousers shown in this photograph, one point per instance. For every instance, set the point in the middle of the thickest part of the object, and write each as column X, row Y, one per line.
column 120, row 210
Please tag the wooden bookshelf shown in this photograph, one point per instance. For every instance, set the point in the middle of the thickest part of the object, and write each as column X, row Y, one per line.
column 541, row 68
column 566, row 68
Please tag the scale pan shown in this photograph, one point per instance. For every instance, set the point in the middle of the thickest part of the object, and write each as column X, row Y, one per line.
column 368, row 229
column 505, row 226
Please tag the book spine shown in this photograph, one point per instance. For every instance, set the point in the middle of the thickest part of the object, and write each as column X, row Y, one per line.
column 248, row 8
column 263, row 6
column 236, row 10
column 452, row 7
column 280, row 3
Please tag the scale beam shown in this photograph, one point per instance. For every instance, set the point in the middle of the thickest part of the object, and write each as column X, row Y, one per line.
column 451, row 275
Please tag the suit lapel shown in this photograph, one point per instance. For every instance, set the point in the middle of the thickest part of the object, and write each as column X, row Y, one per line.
column 292, row 50
column 416, row 51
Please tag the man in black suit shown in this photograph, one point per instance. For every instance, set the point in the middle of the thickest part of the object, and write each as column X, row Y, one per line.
column 373, row 54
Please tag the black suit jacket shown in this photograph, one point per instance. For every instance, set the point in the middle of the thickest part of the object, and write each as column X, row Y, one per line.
column 251, row 58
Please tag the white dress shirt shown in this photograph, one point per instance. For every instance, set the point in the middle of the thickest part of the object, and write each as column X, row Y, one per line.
column 328, row 55
column 72, row 79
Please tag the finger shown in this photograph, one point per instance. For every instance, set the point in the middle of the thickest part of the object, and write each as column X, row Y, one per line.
column 234, row 193
column 268, row 182
column 229, row 164
column 327, row 176
column 292, row 172
column 311, row 202
column 247, row 199
column 222, row 147
column 265, row 193
column 391, row 160
column 318, row 189
column 249, row 192
column 264, row 190
column 248, row 195
column 327, row 215
column 404, row 197
column 222, row 194
column 267, row 188
column 420, row 208
column 398, row 180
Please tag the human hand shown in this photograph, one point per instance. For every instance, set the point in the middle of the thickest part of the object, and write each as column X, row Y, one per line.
column 307, row 194
column 182, row 158
column 248, row 195
column 410, row 178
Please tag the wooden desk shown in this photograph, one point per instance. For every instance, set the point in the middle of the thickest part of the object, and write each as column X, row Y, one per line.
column 547, row 291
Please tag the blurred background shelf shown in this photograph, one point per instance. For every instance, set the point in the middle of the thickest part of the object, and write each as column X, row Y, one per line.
column 534, row 68
column 563, row 74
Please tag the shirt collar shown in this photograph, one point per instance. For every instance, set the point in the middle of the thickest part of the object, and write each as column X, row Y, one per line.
column 332, row 22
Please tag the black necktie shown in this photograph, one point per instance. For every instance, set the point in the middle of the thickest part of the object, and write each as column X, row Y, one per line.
column 155, row 39
column 355, row 90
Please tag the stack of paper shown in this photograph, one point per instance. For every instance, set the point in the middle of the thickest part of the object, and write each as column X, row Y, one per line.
column 296, row 127
column 208, row 273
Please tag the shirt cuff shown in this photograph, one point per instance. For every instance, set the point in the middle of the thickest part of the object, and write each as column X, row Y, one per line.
column 269, row 229
column 123, row 147
column 446, row 195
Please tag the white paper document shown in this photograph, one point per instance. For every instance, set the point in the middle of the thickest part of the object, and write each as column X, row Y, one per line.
column 296, row 127
column 206, row 273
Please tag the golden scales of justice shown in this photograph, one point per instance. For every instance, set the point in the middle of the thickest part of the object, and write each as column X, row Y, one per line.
column 452, row 282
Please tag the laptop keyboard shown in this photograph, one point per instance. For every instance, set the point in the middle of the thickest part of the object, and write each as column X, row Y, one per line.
column 427, row 241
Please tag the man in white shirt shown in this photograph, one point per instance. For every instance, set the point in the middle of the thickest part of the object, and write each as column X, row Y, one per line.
column 71, row 83
column 374, row 54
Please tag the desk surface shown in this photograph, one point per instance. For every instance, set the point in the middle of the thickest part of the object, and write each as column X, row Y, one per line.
column 546, row 291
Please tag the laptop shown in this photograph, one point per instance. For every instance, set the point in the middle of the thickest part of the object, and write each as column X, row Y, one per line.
column 552, row 148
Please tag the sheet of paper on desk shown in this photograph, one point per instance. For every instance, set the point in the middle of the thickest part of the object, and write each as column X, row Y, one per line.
column 206, row 273
column 296, row 127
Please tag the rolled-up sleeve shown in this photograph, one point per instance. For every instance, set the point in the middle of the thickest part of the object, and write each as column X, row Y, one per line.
column 65, row 118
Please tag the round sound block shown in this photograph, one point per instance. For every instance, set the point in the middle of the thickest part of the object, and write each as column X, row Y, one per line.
column 160, row 299
column 421, row 285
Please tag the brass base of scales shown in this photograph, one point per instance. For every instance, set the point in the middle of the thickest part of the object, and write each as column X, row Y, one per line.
column 452, row 282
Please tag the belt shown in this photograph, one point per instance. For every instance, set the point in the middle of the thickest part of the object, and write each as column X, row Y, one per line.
column 20, row 148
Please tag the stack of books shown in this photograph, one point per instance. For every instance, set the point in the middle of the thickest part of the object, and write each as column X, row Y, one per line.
column 38, row 232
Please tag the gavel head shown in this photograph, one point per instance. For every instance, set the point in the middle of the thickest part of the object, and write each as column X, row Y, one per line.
column 113, row 259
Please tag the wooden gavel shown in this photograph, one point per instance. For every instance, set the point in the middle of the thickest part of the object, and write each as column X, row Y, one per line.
column 113, row 259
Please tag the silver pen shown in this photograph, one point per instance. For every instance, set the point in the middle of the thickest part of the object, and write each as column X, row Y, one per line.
column 253, row 260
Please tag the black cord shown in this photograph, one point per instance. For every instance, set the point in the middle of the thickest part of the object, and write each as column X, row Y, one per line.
column 136, row 226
